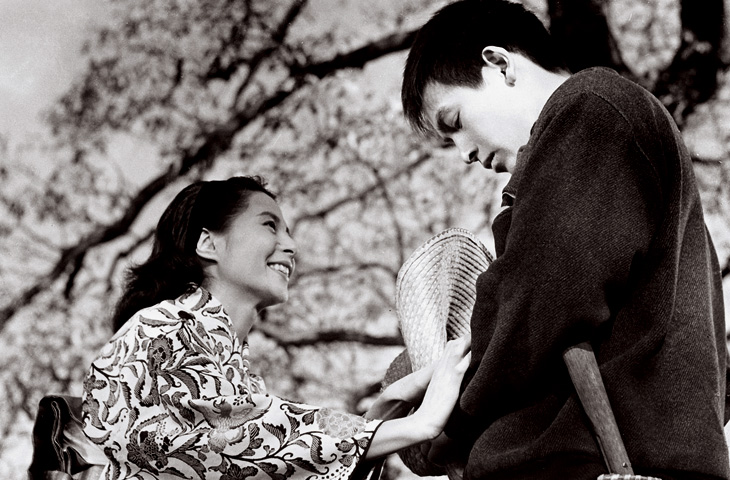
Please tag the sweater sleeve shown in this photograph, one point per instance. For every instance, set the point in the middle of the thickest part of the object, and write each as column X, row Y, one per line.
column 586, row 206
column 171, row 398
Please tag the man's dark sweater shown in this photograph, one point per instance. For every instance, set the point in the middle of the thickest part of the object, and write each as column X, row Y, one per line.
column 603, row 240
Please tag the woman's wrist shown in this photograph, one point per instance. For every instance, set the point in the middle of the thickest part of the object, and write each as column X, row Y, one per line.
column 411, row 387
column 399, row 433
column 437, row 389
column 388, row 405
column 425, row 426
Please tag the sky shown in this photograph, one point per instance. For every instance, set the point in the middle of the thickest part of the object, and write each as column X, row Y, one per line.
column 39, row 53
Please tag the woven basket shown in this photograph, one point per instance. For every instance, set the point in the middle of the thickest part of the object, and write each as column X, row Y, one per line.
column 435, row 295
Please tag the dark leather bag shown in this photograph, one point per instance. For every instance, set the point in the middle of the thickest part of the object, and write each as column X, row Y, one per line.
column 61, row 451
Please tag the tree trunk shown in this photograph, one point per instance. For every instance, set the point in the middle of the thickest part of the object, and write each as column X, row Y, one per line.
column 691, row 78
column 581, row 31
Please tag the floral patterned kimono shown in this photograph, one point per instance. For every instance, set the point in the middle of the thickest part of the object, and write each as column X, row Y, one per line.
column 171, row 396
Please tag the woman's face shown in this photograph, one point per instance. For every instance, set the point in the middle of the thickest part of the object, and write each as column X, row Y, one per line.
column 255, row 256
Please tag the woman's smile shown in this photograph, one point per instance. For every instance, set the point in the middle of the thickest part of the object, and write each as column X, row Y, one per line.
column 283, row 269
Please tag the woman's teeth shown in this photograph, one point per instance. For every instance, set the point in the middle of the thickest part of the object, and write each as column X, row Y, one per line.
column 280, row 268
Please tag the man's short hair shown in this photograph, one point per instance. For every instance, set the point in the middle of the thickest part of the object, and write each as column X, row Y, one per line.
column 448, row 48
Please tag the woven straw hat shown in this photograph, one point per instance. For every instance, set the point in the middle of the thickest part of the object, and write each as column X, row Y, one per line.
column 436, row 291
column 435, row 294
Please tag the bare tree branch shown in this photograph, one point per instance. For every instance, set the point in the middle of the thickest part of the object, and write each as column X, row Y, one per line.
column 391, row 209
column 320, row 213
column 339, row 268
column 237, row 36
column 78, row 263
column 287, row 338
column 277, row 38
column 216, row 142
column 71, row 255
column 357, row 58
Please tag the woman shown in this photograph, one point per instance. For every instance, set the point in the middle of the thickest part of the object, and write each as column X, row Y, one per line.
column 171, row 394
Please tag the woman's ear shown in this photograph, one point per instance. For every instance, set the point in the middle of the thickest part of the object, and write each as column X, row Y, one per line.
column 499, row 58
column 205, row 247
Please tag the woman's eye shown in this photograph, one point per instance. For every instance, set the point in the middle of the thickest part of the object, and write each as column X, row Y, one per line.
column 457, row 122
column 271, row 224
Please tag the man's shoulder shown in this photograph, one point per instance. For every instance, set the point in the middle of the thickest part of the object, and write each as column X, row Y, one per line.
column 605, row 86
column 600, row 92
column 599, row 80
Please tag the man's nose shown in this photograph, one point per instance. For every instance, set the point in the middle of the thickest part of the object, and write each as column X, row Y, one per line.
column 471, row 157
column 469, row 153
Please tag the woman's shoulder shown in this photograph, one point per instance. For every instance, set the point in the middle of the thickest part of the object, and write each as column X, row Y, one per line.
column 193, row 304
column 162, row 314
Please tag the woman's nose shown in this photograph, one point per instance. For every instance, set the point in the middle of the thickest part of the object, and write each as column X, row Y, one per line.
column 288, row 244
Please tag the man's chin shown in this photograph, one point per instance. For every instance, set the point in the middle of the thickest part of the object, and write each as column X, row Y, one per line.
column 505, row 165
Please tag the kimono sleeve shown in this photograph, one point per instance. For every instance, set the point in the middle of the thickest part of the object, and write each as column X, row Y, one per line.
column 172, row 400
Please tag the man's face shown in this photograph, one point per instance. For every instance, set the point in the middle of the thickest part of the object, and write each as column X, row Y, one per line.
column 487, row 124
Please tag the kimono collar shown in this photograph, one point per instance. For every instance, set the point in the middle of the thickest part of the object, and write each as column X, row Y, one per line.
column 200, row 301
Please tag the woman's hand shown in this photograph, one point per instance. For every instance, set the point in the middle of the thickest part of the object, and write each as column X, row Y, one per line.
column 438, row 401
column 443, row 389
column 412, row 387
column 399, row 398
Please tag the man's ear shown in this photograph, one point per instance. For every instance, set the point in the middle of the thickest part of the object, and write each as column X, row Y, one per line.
column 205, row 248
column 498, row 57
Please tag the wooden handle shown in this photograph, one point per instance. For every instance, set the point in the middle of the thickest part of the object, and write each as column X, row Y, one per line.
column 583, row 369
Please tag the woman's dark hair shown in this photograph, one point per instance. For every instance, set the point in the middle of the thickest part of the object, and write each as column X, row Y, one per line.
column 173, row 263
column 448, row 48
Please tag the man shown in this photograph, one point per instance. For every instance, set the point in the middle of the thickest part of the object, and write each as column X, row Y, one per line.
column 602, row 239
